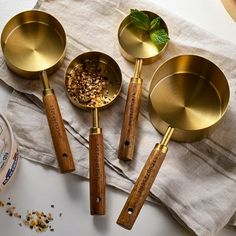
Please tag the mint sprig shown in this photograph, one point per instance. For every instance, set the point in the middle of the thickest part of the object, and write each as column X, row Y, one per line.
column 142, row 21
column 155, row 23
column 159, row 37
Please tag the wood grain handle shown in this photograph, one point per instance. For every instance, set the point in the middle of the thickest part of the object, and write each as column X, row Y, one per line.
column 58, row 133
column 142, row 187
column 130, row 121
column 96, row 174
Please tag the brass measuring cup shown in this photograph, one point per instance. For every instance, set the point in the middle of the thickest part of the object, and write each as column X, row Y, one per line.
column 34, row 44
column 188, row 97
column 90, row 64
column 137, row 47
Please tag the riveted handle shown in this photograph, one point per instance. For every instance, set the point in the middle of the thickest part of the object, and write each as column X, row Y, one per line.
column 58, row 133
column 142, row 187
column 96, row 173
column 130, row 121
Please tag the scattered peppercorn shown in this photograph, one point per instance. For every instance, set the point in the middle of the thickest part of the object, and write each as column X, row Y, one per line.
column 37, row 220
column 12, row 211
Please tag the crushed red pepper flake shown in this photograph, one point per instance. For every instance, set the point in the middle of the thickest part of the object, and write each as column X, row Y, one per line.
column 87, row 84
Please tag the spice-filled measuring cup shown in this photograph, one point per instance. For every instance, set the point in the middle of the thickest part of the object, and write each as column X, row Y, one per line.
column 137, row 47
column 93, row 82
column 34, row 44
column 188, row 96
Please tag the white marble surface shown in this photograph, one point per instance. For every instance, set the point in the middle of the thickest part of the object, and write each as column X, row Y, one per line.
column 36, row 187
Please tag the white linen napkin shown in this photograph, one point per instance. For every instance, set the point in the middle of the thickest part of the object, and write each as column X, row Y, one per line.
column 197, row 180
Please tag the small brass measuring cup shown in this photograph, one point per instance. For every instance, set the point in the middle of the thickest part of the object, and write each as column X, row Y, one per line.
column 82, row 76
column 188, row 96
column 137, row 47
column 34, row 45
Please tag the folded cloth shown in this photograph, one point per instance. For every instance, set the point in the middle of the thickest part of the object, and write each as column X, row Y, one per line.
column 197, row 180
column 35, row 143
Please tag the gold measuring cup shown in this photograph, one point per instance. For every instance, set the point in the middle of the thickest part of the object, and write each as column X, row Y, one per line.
column 136, row 46
column 188, row 97
column 85, row 67
column 33, row 44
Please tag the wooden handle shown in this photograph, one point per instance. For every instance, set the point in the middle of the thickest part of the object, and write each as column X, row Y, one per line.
column 96, row 174
column 130, row 121
column 142, row 187
column 58, row 133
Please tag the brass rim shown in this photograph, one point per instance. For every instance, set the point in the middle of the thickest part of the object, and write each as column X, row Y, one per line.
column 136, row 44
column 188, row 93
column 41, row 43
column 109, row 69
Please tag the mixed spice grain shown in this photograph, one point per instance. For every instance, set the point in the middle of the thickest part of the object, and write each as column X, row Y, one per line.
column 37, row 220
column 87, row 85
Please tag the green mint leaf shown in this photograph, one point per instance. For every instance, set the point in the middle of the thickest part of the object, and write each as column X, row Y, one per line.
column 159, row 37
column 140, row 19
column 155, row 23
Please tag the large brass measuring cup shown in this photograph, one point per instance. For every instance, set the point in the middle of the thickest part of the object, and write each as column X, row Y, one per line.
column 188, row 97
column 33, row 44
column 83, row 80
column 136, row 46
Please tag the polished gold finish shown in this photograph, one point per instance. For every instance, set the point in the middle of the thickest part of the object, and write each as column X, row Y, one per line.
column 45, row 81
column 162, row 148
column 136, row 80
column 95, row 130
column 95, row 117
column 33, row 41
column 33, row 44
column 47, row 92
column 136, row 43
column 46, row 87
column 136, row 46
column 188, row 93
column 138, row 68
column 109, row 68
column 166, row 138
column 188, row 96
column 230, row 6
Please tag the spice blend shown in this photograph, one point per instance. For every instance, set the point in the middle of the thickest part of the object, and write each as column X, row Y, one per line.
column 87, row 85
column 37, row 220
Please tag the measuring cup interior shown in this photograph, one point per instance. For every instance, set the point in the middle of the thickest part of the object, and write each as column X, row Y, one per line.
column 33, row 41
column 136, row 43
column 106, row 79
column 189, row 93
